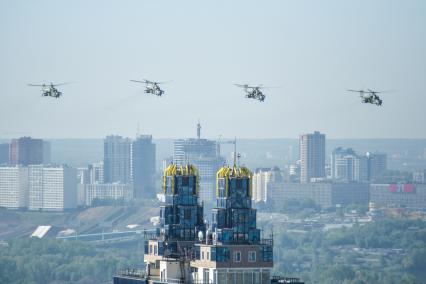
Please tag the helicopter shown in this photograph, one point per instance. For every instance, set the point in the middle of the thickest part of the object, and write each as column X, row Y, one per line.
column 369, row 96
column 253, row 92
column 49, row 90
column 151, row 87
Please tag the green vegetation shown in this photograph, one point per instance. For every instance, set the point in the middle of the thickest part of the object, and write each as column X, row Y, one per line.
column 52, row 261
column 389, row 251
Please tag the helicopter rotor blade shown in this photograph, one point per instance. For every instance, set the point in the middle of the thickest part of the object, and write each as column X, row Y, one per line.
column 144, row 82
column 357, row 91
column 36, row 85
column 61, row 84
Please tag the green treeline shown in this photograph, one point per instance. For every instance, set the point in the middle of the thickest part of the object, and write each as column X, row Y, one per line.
column 389, row 251
column 52, row 261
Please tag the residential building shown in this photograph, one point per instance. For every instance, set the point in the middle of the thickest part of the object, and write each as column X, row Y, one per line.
column 183, row 250
column 26, row 151
column 294, row 172
column 167, row 254
column 399, row 195
column 143, row 166
column 260, row 180
column 325, row 194
column 117, row 159
column 13, row 187
column 47, row 152
column 205, row 156
column 377, row 165
column 233, row 251
column 312, row 157
column 107, row 192
column 419, row 176
column 4, row 154
column 96, row 172
column 347, row 166
column 83, row 176
column 52, row 188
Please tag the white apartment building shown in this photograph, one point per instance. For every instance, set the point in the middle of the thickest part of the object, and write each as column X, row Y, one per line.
column 260, row 182
column 13, row 187
column 51, row 188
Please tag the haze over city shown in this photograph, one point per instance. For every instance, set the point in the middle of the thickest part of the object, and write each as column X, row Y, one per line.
column 314, row 51
column 213, row 142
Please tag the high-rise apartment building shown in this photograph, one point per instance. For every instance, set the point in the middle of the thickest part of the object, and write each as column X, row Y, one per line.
column 117, row 159
column 26, row 151
column 96, row 172
column 143, row 166
column 47, row 152
column 234, row 251
column 52, row 188
column 260, row 180
column 4, row 153
column 312, row 157
column 346, row 165
column 205, row 156
column 167, row 253
column 183, row 250
column 13, row 187
column 377, row 165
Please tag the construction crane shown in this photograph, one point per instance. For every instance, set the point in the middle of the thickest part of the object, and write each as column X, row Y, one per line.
column 234, row 142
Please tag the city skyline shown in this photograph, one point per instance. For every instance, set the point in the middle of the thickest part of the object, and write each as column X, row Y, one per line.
column 220, row 142
column 376, row 45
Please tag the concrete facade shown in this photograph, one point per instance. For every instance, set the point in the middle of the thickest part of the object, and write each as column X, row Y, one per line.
column 312, row 156
column 326, row 195
column 399, row 195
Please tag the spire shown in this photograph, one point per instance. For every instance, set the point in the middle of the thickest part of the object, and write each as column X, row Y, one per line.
column 198, row 129
column 235, row 152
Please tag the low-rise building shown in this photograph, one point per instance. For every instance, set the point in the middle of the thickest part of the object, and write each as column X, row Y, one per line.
column 399, row 195
column 326, row 195
column 107, row 192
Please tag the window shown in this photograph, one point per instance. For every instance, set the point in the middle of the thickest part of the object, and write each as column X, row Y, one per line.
column 150, row 249
column 208, row 255
column 252, row 256
column 155, row 250
column 202, row 255
column 237, row 256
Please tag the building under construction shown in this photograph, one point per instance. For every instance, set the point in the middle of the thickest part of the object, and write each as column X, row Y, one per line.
column 187, row 250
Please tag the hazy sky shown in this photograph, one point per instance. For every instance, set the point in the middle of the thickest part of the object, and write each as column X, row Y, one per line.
column 315, row 50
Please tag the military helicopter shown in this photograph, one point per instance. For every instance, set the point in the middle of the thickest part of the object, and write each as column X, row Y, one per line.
column 253, row 92
column 369, row 96
column 49, row 90
column 151, row 87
